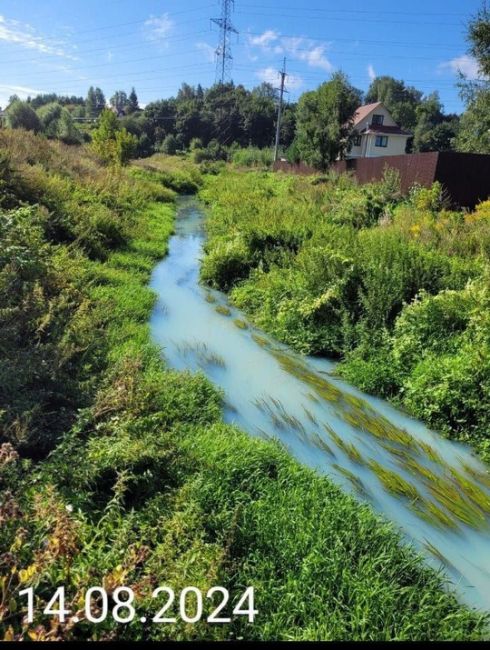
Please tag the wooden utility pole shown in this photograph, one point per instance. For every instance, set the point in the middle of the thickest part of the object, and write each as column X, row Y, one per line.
column 279, row 110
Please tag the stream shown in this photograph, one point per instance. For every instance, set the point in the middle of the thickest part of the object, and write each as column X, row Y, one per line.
column 436, row 492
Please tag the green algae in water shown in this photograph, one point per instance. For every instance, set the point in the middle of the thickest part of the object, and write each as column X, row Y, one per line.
column 241, row 324
column 310, row 415
column 481, row 477
column 203, row 354
column 260, row 340
column 297, row 368
column 354, row 480
column 223, row 310
column 393, row 482
column 318, row 441
column 472, row 491
column 416, row 469
column 432, row 514
column 347, row 447
column 448, row 496
column 430, row 452
column 210, row 298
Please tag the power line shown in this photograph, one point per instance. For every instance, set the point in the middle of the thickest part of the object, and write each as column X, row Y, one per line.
column 223, row 52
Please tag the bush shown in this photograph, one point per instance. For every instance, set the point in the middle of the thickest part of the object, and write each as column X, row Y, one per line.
column 170, row 145
column 20, row 115
column 253, row 157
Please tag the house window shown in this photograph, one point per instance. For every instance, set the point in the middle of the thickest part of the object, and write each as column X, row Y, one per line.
column 357, row 141
column 378, row 120
column 381, row 141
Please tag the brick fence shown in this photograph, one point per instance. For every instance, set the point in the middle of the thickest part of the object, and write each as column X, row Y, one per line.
column 465, row 176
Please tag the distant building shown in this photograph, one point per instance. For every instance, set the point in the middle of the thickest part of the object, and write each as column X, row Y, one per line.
column 376, row 133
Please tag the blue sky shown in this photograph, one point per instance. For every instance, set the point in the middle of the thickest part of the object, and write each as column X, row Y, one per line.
column 66, row 45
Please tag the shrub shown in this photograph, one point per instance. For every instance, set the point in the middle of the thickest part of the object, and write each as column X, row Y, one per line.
column 20, row 115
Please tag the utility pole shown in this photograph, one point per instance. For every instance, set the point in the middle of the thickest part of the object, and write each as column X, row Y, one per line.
column 279, row 110
column 224, row 58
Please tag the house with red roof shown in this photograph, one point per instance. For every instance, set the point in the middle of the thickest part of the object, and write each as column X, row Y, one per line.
column 376, row 133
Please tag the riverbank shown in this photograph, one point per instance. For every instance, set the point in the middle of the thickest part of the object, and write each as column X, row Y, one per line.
column 396, row 290
column 144, row 485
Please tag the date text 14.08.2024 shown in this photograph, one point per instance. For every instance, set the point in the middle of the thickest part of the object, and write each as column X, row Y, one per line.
column 191, row 605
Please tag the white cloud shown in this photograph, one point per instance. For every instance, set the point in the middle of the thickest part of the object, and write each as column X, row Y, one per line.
column 208, row 50
column 272, row 76
column 14, row 32
column 465, row 64
column 158, row 27
column 22, row 92
column 297, row 47
column 371, row 72
column 268, row 75
column 265, row 39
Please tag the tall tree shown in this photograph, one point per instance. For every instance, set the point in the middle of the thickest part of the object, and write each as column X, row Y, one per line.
column 400, row 100
column 474, row 132
column 99, row 101
column 324, row 121
column 479, row 36
column 91, row 103
column 119, row 100
column 133, row 104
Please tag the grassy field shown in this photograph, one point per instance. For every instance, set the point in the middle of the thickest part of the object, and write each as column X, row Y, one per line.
column 115, row 470
column 395, row 288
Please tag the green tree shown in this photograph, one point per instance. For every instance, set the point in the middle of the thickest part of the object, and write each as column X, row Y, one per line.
column 479, row 36
column 474, row 132
column 112, row 143
column 119, row 101
column 20, row 115
column 402, row 101
column 324, row 121
column 100, row 103
column 91, row 103
column 169, row 145
column 434, row 131
column 133, row 104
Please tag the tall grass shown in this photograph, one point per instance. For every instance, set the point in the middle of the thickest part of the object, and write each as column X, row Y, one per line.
column 395, row 288
column 144, row 485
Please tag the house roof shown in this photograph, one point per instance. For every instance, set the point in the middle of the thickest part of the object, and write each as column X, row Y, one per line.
column 386, row 130
column 363, row 111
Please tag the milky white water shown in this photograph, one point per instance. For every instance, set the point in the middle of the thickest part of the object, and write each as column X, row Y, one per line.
column 435, row 491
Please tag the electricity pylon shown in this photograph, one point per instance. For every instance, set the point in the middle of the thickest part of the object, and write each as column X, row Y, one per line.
column 224, row 57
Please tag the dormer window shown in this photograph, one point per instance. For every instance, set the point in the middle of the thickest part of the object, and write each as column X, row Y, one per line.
column 378, row 120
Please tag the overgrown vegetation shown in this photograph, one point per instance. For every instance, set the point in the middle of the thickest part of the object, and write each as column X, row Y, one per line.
column 117, row 471
column 398, row 289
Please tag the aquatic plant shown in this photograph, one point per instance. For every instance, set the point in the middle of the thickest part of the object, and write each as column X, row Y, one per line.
column 347, row 447
column 319, row 442
column 260, row 340
column 393, row 482
column 312, row 418
column 223, row 310
column 241, row 324
column 432, row 514
column 354, row 480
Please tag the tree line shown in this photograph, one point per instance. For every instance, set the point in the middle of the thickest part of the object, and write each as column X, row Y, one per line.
column 317, row 129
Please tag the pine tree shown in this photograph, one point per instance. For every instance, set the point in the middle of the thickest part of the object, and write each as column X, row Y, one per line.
column 132, row 105
column 91, row 103
column 99, row 101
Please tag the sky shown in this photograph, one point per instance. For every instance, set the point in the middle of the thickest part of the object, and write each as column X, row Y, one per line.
column 65, row 46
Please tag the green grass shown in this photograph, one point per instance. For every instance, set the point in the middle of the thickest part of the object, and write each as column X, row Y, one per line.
column 147, row 486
